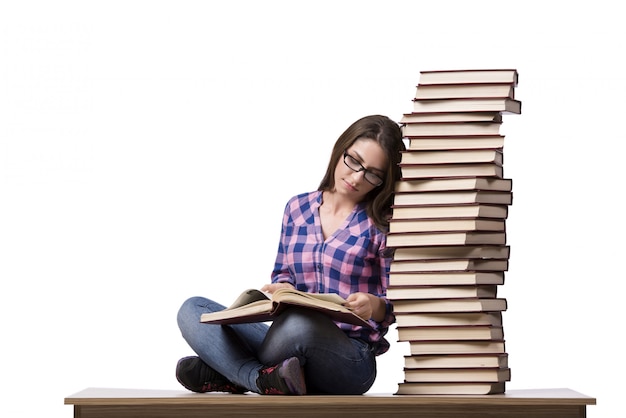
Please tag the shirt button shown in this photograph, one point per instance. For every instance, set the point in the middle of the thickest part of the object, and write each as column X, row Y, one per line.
column 319, row 267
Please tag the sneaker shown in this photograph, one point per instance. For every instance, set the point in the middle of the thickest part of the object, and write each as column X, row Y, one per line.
column 286, row 378
column 197, row 376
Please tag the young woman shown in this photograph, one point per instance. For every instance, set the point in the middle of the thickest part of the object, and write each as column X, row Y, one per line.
column 332, row 240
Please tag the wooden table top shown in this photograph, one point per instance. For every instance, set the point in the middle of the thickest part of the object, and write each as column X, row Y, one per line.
column 115, row 396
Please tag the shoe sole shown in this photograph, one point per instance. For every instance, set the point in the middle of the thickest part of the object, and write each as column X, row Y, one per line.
column 292, row 374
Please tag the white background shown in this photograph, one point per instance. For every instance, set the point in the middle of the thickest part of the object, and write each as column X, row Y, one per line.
column 147, row 149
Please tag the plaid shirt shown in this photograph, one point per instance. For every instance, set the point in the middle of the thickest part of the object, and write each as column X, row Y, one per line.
column 349, row 261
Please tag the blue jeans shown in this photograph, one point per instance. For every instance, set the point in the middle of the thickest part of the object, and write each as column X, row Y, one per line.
column 333, row 362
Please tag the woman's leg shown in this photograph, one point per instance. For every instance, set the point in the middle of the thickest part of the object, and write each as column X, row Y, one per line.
column 333, row 362
column 230, row 350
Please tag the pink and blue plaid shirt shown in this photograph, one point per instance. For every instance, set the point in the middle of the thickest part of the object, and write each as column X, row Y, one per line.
column 349, row 261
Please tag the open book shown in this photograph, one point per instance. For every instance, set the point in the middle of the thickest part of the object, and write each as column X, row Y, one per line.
column 256, row 306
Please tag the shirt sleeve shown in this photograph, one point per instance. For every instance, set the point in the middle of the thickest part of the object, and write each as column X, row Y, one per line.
column 281, row 272
column 385, row 263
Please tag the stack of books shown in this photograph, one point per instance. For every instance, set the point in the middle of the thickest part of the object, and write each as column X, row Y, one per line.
column 449, row 236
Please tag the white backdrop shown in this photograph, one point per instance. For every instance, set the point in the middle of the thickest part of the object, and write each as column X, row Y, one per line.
column 147, row 149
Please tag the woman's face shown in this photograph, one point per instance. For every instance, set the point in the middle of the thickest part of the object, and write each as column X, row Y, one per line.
column 361, row 169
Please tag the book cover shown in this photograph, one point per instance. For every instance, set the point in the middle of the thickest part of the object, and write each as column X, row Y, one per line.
column 454, row 278
column 456, row 360
column 441, row 225
column 413, row 239
column 255, row 306
column 453, row 197
column 464, row 210
column 450, row 388
column 448, row 319
column 449, row 305
column 413, row 130
column 467, row 76
column 456, row 142
column 451, row 265
column 500, row 252
column 492, row 375
column 467, row 332
column 416, row 171
column 457, row 347
column 499, row 104
column 416, row 117
column 397, row 293
column 412, row 157
column 454, row 184
column 464, row 91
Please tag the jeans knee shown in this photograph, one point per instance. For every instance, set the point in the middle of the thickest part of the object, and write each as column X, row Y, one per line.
column 190, row 311
column 193, row 302
column 302, row 327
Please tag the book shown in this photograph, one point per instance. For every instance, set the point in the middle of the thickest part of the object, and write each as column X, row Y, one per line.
column 428, row 129
column 453, row 142
column 456, row 360
column 452, row 157
column 416, row 171
column 256, row 306
column 500, row 252
column 449, row 305
column 449, row 211
column 481, row 76
column 453, row 197
column 472, row 332
column 441, row 292
column 448, row 265
column 486, row 374
column 498, row 104
column 452, row 224
column 457, row 347
column 455, row 278
column 464, row 91
column 450, row 388
column 448, row 319
column 470, row 183
column 416, row 117
column 414, row 239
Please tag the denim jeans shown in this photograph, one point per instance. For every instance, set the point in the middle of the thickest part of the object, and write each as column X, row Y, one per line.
column 333, row 362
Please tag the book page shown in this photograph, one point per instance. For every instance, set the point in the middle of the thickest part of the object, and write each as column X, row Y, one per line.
column 248, row 296
column 280, row 294
column 256, row 306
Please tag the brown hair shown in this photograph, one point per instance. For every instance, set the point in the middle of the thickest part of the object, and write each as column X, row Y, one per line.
column 388, row 135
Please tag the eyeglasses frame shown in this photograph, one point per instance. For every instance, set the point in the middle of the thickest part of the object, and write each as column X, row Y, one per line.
column 363, row 169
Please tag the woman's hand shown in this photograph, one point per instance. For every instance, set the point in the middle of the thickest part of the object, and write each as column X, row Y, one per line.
column 366, row 306
column 271, row 288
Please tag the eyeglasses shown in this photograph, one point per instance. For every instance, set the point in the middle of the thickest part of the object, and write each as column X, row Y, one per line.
column 353, row 164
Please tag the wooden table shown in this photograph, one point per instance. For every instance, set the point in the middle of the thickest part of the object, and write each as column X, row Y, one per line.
column 126, row 403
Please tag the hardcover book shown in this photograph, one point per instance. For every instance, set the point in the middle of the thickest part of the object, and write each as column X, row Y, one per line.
column 450, row 388
column 256, row 306
column 469, row 76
